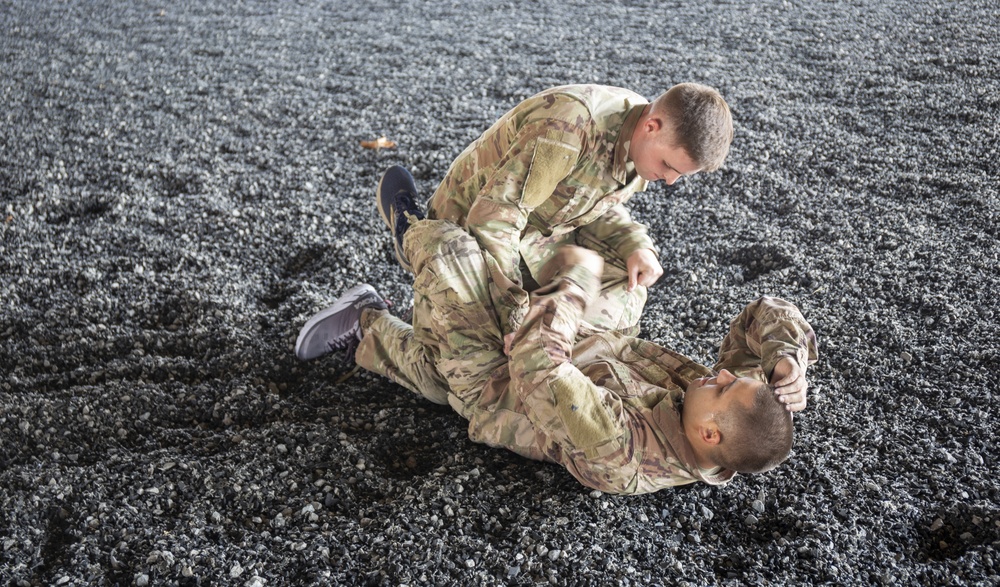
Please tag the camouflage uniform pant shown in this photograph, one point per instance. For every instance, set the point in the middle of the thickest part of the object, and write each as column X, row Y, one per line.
column 454, row 342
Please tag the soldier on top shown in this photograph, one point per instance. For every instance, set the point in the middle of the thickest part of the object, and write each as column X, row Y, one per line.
column 556, row 170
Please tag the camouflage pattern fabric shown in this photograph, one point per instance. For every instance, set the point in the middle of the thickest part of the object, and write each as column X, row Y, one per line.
column 614, row 308
column 556, row 163
column 454, row 342
column 771, row 328
column 605, row 406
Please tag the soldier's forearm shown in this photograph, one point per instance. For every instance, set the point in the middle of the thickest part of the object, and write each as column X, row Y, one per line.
column 767, row 330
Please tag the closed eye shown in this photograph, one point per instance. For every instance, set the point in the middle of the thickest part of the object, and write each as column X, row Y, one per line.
column 726, row 388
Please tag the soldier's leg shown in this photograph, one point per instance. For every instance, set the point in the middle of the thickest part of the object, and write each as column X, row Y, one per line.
column 454, row 343
column 615, row 308
column 453, row 314
column 388, row 348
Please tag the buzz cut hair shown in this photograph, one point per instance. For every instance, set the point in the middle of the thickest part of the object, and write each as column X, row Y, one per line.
column 755, row 438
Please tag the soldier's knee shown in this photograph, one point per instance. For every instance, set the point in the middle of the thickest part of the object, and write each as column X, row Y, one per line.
column 427, row 239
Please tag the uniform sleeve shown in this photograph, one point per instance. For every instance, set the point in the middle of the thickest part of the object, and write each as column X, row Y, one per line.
column 585, row 420
column 767, row 330
column 619, row 231
column 539, row 158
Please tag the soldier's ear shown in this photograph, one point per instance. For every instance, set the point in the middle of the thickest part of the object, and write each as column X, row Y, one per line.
column 653, row 124
column 710, row 434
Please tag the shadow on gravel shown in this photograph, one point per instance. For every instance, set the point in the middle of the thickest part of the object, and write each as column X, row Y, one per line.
column 407, row 459
column 953, row 532
column 757, row 260
column 305, row 261
column 58, row 540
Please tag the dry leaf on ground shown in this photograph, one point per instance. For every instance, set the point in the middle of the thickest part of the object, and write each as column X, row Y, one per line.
column 379, row 143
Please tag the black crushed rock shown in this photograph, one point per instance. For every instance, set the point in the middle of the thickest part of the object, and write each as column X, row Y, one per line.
column 182, row 186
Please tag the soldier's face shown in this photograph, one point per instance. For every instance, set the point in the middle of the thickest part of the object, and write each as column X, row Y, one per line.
column 655, row 157
column 709, row 396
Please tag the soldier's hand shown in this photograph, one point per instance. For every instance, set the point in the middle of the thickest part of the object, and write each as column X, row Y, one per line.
column 789, row 381
column 508, row 343
column 643, row 268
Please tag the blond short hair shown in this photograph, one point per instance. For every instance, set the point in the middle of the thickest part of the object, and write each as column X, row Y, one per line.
column 701, row 122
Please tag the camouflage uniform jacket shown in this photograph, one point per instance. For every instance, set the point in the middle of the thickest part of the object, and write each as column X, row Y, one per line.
column 557, row 162
column 608, row 407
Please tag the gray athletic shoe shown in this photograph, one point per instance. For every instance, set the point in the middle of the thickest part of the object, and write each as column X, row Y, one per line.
column 396, row 197
column 339, row 326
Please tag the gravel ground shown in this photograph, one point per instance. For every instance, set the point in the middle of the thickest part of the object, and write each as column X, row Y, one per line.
column 182, row 186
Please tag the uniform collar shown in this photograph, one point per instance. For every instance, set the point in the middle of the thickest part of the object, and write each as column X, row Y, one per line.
column 667, row 416
column 621, row 171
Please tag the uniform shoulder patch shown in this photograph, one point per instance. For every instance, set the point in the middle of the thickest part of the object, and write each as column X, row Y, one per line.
column 551, row 163
column 587, row 420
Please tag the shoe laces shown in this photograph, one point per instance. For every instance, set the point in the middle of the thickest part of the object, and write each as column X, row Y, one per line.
column 405, row 201
column 349, row 340
column 350, row 347
column 405, row 204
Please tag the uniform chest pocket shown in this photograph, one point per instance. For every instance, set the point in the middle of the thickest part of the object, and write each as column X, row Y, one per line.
column 559, row 213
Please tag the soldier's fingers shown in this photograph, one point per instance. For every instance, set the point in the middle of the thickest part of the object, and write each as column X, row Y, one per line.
column 796, row 406
column 785, row 381
column 792, row 391
column 787, row 372
column 508, row 341
column 794, row 401
column 791, row 386
column 648, row 278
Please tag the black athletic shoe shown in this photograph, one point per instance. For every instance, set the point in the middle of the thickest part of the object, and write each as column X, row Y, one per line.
column 339, row 326
column 396, row 197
